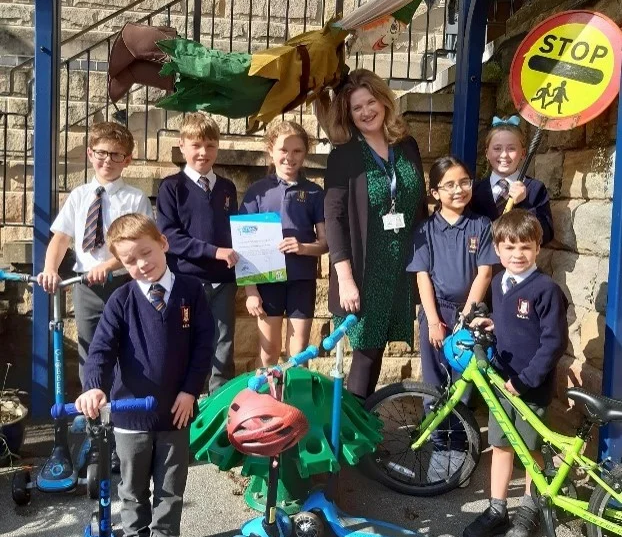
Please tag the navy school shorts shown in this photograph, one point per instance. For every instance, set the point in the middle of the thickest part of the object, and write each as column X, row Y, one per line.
column 294, row 299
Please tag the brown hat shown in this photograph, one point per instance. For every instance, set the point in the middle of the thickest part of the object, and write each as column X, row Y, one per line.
column 136, row 59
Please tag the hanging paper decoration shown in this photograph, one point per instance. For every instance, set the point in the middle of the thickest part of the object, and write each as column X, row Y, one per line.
column 381, row 33
column 267, row 83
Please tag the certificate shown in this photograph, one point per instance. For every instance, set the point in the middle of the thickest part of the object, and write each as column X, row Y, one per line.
column 256, row 239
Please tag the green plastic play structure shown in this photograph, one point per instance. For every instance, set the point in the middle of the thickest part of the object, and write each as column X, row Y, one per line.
column 309, row 391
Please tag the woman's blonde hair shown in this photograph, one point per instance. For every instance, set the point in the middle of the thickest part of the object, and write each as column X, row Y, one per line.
column 340, row 125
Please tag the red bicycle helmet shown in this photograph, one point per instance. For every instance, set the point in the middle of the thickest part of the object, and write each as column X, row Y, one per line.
column 260, row 425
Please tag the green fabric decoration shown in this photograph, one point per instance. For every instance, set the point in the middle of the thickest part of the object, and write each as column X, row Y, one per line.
column 210, row 80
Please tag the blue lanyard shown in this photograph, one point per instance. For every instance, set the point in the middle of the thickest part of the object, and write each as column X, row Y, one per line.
column 392, row 179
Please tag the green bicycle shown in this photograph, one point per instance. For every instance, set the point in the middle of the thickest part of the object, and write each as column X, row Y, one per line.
column 432, row 442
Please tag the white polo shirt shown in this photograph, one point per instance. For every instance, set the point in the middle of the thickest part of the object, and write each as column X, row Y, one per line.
column 117, row 200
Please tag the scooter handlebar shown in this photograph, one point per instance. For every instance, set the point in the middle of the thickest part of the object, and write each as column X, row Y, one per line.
column 255, row 383
column 16, row 277
column 330, row 342
column 28, row 278
column 145, row 404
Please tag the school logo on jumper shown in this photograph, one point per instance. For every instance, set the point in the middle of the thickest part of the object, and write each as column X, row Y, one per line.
column 185, row 316
column 302, row 195
column 473, row 245
column 523, row 309
column 227, row 202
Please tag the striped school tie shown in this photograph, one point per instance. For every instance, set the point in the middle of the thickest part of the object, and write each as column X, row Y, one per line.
column 156, row 296
column 509, row 283
column 94, row 229
column 204, row 184
column 503, row 196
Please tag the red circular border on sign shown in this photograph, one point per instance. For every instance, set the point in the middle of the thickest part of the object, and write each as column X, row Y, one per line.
column 607, row 27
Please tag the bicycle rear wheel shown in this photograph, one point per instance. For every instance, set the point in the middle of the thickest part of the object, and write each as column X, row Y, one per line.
column 603, row 505
column 445, row 461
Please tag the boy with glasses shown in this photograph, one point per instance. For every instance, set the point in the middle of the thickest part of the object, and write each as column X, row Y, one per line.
column 84, row 218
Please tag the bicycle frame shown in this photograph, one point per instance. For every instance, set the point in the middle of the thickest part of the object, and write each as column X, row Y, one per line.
column 570, row 447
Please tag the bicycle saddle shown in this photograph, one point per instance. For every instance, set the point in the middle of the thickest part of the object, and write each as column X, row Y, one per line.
column 598, row 408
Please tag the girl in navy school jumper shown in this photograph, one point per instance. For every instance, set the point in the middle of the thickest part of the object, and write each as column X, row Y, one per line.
column 505, row 151
column 300, row 203
column 453, row 259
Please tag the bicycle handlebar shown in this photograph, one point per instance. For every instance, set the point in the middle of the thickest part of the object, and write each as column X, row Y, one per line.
column 146, row 404
column 330, row 342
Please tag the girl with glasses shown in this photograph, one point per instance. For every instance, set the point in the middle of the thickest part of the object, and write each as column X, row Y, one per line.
column 453, row 260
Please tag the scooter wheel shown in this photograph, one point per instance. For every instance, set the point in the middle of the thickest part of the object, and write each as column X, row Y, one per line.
column 92, row 481
column 307, row 524
column 20, row 490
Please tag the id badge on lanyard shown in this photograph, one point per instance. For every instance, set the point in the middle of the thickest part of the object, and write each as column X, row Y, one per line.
column 392, row 220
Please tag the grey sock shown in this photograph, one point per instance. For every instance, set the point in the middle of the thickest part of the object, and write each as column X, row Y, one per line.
column 527, row 501
column 500, row 506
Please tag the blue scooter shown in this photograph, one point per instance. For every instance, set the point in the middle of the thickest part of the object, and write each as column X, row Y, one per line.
column 59, row 473
column 101, row 520
column 305, row 523
column 308, row 523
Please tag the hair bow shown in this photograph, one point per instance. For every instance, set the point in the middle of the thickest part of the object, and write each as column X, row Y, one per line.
column 512, row 120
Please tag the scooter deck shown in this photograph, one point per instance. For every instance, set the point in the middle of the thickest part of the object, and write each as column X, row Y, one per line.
column 344, row 525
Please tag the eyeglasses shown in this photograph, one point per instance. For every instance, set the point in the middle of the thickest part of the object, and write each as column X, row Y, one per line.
column 464, row 184
column 100, row 154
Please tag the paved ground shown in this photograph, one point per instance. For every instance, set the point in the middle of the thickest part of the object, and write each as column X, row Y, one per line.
column 214, row 505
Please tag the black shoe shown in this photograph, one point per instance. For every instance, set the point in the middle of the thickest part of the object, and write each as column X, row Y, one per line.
column 489, row 523
column 525, row 523
column 115, row 463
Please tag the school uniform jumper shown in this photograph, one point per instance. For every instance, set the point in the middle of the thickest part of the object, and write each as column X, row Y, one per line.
column 451, row 255
column 118, row 199
column 536, row 202
column 301, row 206
column 196, row 224
column 159, row 353
column 532, row 334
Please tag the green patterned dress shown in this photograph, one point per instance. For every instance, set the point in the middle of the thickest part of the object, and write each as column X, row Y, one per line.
column 387, row 309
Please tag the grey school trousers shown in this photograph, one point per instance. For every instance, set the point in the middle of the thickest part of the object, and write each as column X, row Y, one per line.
column 88, row 306
column 163, row 457
column 221, row 300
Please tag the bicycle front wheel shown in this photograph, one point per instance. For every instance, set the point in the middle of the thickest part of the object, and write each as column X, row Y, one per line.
column 603, row 505
column 445, row 461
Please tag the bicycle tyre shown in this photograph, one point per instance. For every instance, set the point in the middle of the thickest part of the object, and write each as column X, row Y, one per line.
column 382, row 469
column 599, row 499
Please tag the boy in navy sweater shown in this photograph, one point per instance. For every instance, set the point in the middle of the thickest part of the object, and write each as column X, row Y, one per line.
column 154, row 338
column 193, row 210
column 529, row 320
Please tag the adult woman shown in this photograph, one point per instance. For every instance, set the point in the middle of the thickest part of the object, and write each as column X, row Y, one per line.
column 375, row 196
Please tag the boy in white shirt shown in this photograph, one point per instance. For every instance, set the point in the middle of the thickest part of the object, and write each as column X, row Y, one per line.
column 85, row 217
